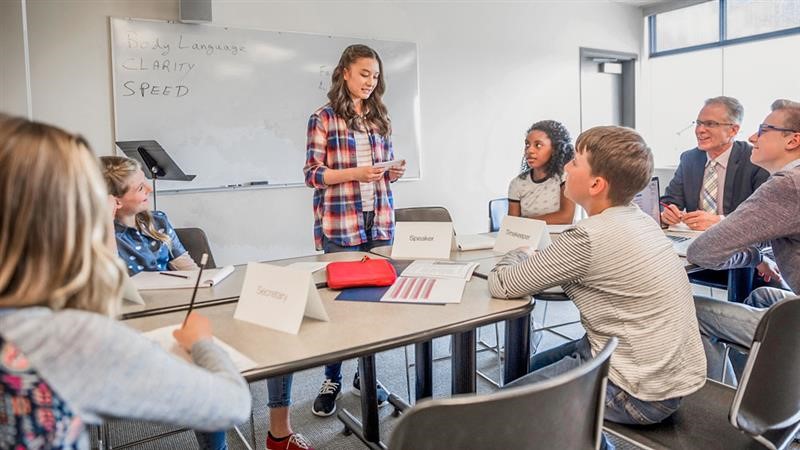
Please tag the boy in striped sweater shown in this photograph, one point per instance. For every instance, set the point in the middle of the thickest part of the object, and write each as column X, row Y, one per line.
column 626, row 280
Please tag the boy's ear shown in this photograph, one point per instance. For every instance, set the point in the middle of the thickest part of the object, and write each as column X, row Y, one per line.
column 117, row 202
column 598, row 187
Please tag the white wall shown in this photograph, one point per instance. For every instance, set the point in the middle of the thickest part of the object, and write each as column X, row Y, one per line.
column 487, row 71
column 13, row 97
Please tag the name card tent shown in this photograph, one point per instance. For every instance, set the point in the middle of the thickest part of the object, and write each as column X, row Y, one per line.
column 516, row 232
column 422, row 240
column 278, row 298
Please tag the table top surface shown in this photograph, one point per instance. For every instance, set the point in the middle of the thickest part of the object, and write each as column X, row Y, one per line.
column 355, row 328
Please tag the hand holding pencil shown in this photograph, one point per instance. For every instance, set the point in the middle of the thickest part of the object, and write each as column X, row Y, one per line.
column 195, row 327
column 671, row 214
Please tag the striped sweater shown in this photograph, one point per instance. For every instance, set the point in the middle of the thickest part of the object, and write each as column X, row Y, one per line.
column 626, row 280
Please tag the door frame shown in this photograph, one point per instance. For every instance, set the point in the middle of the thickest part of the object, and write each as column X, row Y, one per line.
column 628, row 90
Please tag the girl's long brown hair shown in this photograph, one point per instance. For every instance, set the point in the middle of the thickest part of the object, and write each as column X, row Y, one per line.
column 341, row 101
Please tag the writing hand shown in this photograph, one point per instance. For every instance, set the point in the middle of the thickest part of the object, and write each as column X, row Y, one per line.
column 700, row 220
column 197, row 328
column 671, row 215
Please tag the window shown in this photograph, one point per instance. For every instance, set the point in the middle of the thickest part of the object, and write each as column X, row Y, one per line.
column 753, row 17
column 721, row 22
column 687, row 27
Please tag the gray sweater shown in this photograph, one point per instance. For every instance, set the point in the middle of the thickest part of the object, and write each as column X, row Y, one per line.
column 103, row 369
column 620, row 270
column 770, row 216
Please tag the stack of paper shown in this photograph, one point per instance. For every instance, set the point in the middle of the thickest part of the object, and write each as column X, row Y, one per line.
column 179, row 279
column 683, row 228
column 468, row 242
column 441, row 269
column 431, row 282
column 163, row 337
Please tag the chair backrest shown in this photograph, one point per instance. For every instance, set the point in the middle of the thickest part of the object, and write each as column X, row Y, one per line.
column 196, row 243
column 498, row 208
column 520, row 417
column 768, row 397
column 422, row 214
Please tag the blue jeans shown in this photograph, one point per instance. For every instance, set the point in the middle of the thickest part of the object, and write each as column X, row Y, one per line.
column 732, row 322
column 620, row 406
column 280, row 391
column 333, row 371
column 211, row 440
column 280, row 395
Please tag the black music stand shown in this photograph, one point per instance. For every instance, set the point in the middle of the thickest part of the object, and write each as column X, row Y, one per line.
column 156, row 163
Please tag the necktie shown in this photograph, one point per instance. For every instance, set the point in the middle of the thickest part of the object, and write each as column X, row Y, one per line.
column 708, row 199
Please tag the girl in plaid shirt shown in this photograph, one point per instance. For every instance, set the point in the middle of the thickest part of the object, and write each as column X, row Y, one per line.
column 353, row 206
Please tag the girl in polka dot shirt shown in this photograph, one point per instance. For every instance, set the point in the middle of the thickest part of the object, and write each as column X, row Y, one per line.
column 146, row 241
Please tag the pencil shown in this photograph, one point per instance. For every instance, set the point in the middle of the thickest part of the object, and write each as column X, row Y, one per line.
column 176, row 275
column 203, row 262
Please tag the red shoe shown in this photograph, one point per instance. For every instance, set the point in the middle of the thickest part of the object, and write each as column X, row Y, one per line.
column 295, row 441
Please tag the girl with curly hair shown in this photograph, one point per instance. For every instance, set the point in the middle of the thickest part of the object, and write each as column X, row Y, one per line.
column 538, row 191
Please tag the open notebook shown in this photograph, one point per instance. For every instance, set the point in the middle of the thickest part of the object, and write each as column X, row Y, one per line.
column 157, row 280
column 163, row 337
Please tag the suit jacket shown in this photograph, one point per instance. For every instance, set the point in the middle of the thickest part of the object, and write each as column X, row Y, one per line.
column 742, row 178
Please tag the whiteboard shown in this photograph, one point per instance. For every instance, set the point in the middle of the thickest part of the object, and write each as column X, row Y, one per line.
column 232, row 105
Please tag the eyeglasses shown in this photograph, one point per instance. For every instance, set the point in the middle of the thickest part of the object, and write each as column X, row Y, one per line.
column 710, row 123
column 763, row 128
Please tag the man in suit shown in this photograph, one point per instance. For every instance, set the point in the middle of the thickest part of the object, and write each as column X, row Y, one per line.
column 713, row 178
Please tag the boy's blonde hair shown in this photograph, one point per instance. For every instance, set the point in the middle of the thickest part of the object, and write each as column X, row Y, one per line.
column 54, row 222
column 117, row 171
column 621, row 156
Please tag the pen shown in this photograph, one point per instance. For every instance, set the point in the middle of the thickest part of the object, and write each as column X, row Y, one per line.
column 203, row 262
column 258, row 183
column 176, row 275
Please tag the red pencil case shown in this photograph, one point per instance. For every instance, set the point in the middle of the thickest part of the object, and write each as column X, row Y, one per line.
column 367, row 272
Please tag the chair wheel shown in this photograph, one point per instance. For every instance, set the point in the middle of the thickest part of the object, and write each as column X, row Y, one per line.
column 347, row 431
column 396, row 412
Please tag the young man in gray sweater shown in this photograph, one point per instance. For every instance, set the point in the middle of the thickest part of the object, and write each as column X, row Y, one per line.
column 771, row 216
column 623, row 275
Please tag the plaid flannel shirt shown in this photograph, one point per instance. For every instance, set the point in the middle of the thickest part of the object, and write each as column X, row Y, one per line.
column 338, row 211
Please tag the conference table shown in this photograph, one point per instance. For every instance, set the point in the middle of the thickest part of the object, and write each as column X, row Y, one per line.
column 355, row 330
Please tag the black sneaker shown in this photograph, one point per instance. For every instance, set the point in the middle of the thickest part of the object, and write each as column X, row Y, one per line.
column 325, row 403
column 383, row 394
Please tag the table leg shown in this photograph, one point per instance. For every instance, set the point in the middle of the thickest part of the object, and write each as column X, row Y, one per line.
column 518, row 348
column 740, row 283
column 463, row 363
column 423, row 367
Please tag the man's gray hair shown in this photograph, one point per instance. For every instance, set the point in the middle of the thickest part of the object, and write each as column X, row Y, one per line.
column 733, row 106
column 792, row 110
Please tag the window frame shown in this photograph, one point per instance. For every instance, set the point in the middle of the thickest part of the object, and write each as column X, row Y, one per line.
column 722, row 41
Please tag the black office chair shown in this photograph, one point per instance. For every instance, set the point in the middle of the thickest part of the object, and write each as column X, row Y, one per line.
column 195, row 242
column 422, row 214
column 531, row 416
column 498, row 208
column 765, row 408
